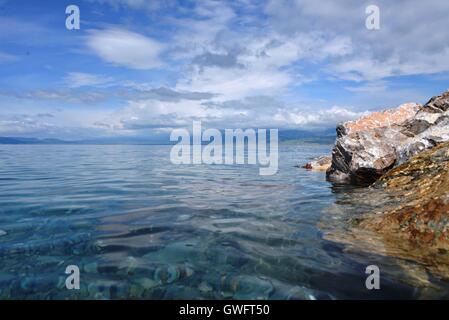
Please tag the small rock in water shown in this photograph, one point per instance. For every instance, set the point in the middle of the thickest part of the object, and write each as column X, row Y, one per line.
column 167, row 274
column 319, row 164
column 205, row 287
column 105, row 289
column 91, row 267
column 147, row 283
column 185, row 271
column 136, row 291
column 180, row 292
column 247, row 287
column 176, row 252
column 226, row 295
column 28, row 284
column 183, row 217
column 302, row 293
column 3, row 233
column 129, row 265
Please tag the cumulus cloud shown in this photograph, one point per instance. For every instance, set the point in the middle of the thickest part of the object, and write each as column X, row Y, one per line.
column 265, row 65
column 247, row 63
column 23, row 126
column 318, row 118
column 408, row 42
column 125, row 48
column 242, row 73
column 256, row 111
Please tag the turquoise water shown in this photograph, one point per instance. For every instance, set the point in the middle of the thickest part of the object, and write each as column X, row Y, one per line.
column 140, row 227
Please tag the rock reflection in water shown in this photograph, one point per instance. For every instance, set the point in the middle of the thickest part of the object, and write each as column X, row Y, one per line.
column 416, row 265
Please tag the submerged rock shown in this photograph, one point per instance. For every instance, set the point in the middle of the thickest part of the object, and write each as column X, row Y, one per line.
column 404, row 155
column 91, row 267
column 322, row 163
column 245, row 287
column 205, row 287
column 367, row 148
column 405, row 214
column 171, row 273
column 146, row 283
column 129, row 265
column 166, row 274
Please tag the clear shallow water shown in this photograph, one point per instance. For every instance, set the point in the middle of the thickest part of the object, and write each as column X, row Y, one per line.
column 139, row 227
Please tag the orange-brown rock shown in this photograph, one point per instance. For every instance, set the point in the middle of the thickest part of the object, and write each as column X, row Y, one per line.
column 383, row 118
column 405, row 214
column 421, row 187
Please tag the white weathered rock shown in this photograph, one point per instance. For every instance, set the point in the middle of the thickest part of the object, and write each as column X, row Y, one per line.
column 429, row 127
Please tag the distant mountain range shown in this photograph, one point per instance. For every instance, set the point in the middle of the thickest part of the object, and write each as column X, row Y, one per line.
column 105, row 141
column 16, row 140
column 324, row 136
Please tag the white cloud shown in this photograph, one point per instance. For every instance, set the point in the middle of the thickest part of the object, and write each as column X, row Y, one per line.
column 67, row 96
column 240, row 63
column 80, row 79
column 6, row 57
column 257, row 111
column 134, row 4
column 369, row 87
column 231, row 84
column 413, row 38
column 125, row 48
column 264, row 65
column 324, row 118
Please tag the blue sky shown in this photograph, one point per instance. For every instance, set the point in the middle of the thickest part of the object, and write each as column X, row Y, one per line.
column 141, row 68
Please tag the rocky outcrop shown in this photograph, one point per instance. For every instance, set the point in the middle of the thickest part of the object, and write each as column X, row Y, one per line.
column 421, row 189
column 322, row 163
column 403, row 154
column 367, row 148
column 404, row 214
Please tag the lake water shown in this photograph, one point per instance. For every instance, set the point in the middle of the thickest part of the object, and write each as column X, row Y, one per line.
column 140, row 227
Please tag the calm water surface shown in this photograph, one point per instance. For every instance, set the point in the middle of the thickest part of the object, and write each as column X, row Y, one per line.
column 139, row 227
